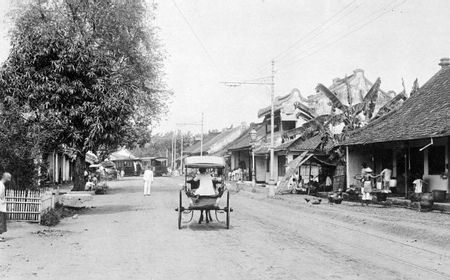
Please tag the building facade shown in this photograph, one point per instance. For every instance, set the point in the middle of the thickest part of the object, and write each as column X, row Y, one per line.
column 413, row 140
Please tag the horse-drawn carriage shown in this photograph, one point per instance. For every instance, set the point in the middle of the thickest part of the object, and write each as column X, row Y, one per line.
column 204, row 203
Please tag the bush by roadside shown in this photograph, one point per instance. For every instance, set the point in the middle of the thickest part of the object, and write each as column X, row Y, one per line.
column 54, row 216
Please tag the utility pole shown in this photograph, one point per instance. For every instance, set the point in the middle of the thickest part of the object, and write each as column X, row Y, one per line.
column 181, row 154
column 271, row 192
column 173, row 154
column 272, row 137
column 201, row 139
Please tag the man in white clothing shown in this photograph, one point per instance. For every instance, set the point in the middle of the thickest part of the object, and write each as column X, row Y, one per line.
column 148, row 179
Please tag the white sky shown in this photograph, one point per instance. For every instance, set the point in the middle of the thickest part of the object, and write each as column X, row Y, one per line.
column 241, row 37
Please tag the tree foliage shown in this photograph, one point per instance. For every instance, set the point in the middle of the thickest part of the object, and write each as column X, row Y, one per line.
column 160, row 144
column 91, row 69
column 349, row 116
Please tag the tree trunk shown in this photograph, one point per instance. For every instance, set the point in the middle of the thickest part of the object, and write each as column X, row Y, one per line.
column 78, row 173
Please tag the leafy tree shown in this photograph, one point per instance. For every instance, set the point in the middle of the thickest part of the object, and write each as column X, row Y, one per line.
column 350, row 115
column 90, row 68
column 160, row 143
column 16, row 148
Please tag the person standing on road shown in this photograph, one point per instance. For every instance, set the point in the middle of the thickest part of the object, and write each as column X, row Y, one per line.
column 148, row 179
column 5, row 178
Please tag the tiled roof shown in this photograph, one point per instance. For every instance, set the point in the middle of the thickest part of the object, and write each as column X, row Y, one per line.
column 262, row 148
column 195, row 148
column 219, row 144
column 300, row 145
column 425, row 114
column 243, row 142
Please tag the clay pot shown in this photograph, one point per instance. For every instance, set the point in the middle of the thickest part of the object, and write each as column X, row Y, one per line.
column 426, row 200
column 439, row 196
column 381, row 197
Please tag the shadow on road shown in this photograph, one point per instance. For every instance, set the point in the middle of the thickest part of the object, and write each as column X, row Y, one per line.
column 123, row 189
column 194, row 226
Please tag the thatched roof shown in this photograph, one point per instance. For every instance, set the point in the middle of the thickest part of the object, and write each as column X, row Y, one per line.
column 425, row 114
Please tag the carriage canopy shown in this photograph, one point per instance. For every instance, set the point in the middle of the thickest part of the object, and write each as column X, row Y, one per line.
column 204, row 162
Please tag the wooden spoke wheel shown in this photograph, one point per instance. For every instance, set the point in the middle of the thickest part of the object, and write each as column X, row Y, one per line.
column 220, row 216
column 189, row 214
column 228, row 210
column 180, row 209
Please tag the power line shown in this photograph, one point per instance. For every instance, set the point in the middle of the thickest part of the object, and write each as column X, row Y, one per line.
column 258, row 79
column 317, row 28
column 283, row 53
column 350, row 23
column 348, row 33
column 304, row 46
column 205, row 50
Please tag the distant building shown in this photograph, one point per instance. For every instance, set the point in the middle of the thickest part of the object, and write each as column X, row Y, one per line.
column 60, row 167
column 126, row 161
column 286, row 118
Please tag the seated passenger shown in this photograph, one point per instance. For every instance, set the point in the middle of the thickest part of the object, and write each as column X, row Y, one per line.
column 206, row 184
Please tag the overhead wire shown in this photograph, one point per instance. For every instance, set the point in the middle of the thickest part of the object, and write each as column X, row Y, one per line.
column 311, row 44
column 197, row 37
column 336, row 39
column 281, row 55
column 317, row 28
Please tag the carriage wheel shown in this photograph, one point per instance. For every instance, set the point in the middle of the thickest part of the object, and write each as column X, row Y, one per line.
column 187, row 212
column 180, row 210
column 228, row 209
column 218, row 212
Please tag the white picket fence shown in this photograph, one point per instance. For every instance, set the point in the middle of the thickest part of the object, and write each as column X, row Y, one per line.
column 28, row 205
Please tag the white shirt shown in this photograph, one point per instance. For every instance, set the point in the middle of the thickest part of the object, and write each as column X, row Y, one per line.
column 328, row 181
column 387, row 174
column 2, row 197
column 206, row 185
column 148, row 175
column 418, row 185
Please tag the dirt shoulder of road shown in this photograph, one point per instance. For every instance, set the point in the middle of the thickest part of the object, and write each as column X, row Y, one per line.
column 410, row 226
column 131, row 236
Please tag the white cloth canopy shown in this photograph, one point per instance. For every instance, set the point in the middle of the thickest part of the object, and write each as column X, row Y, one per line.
column 204, row 162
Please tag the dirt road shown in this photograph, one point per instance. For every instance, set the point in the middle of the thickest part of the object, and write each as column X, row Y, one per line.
column 129, row 236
